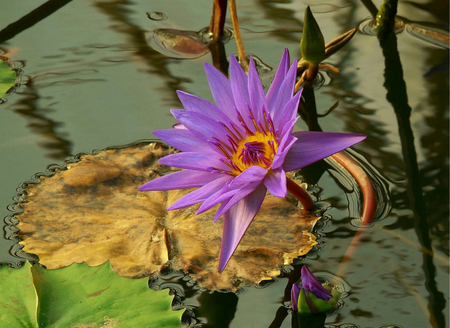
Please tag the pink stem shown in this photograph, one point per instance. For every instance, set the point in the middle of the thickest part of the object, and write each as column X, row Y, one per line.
column 300, row 194
column 365, row 183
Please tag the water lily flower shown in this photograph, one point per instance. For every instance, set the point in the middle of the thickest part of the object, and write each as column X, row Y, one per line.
column 311, row 297
column 242, row 146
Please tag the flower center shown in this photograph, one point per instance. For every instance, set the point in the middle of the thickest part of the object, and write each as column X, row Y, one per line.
column 258, row 149
column 249, row 147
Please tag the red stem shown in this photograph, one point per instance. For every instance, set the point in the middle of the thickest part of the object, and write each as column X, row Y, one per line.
column 300, row 194
column 365, row 183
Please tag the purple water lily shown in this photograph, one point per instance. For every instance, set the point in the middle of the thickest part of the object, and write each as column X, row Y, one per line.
column 240, row 147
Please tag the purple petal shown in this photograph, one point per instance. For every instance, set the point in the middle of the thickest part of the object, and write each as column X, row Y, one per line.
column 310, row 283
column 236, row 222
column 239, row 82
column 286, row 142
column 194, row 161
column 283, row 68
column 289, row 111
column 202, row 106
column 275, row 181
column 256, row 92
column 295, row 292
column 220, row 90
column 180, row 180
column 253, row 176
column 203, row 127
column 313, row 146
column 183, row 140
column 285, row 92
column 235, row 198
column 201, row 194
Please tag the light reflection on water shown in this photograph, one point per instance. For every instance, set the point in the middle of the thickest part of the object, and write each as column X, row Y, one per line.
column 93, row 81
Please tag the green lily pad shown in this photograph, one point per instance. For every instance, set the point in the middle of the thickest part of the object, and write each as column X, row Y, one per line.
column 81, row 296
column 18, row 299
column 7, row 77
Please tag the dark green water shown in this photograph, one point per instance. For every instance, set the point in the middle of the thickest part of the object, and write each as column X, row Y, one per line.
column 93, row 80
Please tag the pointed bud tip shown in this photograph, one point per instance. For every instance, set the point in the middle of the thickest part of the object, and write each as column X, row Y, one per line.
column 312, row 44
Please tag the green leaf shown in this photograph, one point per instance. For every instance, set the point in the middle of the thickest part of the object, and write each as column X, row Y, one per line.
column 81, row 296
column 7, row 78
column 18, row 300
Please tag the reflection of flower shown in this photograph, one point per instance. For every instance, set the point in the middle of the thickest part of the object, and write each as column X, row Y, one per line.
column 241, row 147
column 311, row 296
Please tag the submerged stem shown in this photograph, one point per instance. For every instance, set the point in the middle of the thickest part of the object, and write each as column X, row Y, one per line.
column 300, row 194
column 364, row 182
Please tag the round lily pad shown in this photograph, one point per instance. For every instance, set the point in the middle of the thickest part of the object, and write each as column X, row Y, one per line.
column 91, row 211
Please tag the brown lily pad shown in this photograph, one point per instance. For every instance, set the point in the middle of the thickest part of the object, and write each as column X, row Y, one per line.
column 91, row 211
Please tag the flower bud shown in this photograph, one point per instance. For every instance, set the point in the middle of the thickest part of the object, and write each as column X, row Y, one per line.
column 312, row 44
column 312, row 297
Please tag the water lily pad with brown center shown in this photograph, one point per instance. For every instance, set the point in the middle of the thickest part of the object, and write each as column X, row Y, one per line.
column 91, row 211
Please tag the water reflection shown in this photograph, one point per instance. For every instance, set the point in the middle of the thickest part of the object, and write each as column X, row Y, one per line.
column 55, row 142
column 397, row 96
column 157, row 63
column 35, row 16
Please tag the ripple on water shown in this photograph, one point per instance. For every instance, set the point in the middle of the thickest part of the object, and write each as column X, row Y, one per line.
column 368, row 26
column 157, row 16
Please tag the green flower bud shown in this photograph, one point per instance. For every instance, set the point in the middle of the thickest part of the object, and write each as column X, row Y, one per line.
column 312, row 297
column 312, row 44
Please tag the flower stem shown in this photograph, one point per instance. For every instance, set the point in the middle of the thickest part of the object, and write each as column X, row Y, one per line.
column 364, row 182
column 300, row 194
column 237, row 36
column 311, row 73
column 218, row 19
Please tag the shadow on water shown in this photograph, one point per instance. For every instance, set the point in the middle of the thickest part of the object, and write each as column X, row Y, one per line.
column 397, row 96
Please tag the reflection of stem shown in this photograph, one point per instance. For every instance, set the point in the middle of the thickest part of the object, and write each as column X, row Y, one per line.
column 370, row 7
column 218, row 19
column 58, row 145
column 237, row 36
column 31, row 19
column 386, row 18
column 349, row 252
column 219, row 56
column 364, row 182
column 397, row 96
column 440, row 258
column 307, row 108
column 300, row 194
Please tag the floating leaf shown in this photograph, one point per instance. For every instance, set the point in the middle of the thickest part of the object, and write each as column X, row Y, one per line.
column 7, row 77
column 179, row 43
column 91, row 211
column 435, row 36
column 18, row 301
column 81, row 296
